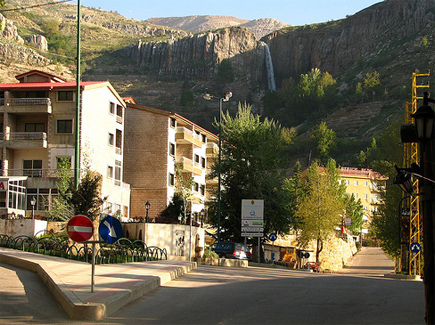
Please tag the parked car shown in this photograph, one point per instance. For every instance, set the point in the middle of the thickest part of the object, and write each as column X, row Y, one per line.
column 231, row 250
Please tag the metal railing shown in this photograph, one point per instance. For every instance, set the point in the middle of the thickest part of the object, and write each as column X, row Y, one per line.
column 43, row 172
column 123, row 251
column 26, row 136
column 28, row 101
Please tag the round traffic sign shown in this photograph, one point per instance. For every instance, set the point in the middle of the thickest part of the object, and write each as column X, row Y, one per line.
column 415, row 247
column 110, row 229
column 80, row 228
column 273, row 236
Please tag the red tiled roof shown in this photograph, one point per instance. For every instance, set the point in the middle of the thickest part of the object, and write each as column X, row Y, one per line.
column 46, row 85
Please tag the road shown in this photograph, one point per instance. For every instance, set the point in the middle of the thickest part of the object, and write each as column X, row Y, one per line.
column 220, row 295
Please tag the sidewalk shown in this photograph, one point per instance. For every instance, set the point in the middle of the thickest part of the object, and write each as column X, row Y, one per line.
column 115, row 285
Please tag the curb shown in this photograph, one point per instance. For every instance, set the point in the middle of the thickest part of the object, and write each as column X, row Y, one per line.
column 403, row 277
column 75, row 308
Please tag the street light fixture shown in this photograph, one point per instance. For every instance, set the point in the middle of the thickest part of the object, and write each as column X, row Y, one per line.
column 225, row 98
column 424, row 119
column 33, row 203
column 147, row 207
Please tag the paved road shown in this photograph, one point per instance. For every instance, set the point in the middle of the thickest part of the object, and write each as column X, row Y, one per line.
column 220, row 295
column 370, row 261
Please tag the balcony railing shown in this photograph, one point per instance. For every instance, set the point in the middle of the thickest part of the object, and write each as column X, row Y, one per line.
column 43, row 172
column 185, row 135
column 26, row 105
column 26, row 136
column 188, row 166
column 28, row 101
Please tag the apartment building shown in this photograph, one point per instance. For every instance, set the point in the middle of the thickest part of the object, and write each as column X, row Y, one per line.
column 157, row 140
column 37, row 118
column 364, row 184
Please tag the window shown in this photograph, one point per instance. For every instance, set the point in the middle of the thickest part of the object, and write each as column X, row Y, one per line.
column 202, row 190
column 65, row 96
column 118, row 165
column 111, row 139
column 32, row 168
column 171, row 179
column 34, row 127
column 64, row 126
column 346, row 182
column 365, row 183
column 118, row 139
column 203, row 138
column 119, row 109
column 365, row 196
column 173, row 122
column 202, row 162
column 172, row 149
column 112, row 108
column 197, row 159
column 110, row 171
column 196, row 187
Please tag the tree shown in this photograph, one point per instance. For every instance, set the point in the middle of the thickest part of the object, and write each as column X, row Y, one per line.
column 172, row 211
column 85, row 200
column 183, row 187
column 321, row 206
column 354, row 210
column 251, row 168
column 325, row 139
column 60, row 208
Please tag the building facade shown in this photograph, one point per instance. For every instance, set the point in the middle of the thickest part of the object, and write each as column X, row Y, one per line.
column 37, row 119
column 157, row 141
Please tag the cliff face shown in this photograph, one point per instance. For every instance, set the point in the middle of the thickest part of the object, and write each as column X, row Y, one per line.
column 336, row 48
column 198, row 56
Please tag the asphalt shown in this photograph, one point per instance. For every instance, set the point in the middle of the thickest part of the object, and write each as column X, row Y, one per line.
column 113, row 286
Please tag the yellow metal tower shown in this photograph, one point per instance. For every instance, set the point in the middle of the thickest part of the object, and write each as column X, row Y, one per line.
column 410, row 261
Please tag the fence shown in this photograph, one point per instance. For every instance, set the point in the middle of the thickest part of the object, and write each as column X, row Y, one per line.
column 123, row 251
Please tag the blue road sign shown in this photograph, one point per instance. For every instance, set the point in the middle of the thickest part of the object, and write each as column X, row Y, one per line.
column 273, row 236
column 415, row 248
column 110, row 229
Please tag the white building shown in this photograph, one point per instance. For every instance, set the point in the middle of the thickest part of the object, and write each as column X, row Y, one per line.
column 37, row 118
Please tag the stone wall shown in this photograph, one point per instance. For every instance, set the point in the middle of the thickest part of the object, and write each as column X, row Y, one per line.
column 337, row 252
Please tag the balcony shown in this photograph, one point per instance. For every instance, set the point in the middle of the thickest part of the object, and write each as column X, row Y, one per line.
column 26, row 105
column 17, row 140
column 43, row 172
column 188, row 166
column 186, row 136
column 212, row 150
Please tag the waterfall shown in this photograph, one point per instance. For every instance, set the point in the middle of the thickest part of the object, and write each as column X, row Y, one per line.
column 269, row 69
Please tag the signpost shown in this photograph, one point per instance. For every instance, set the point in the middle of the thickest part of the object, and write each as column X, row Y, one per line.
column 273, row 236
column 110, row 229
column 252, row 220
column 80, row 228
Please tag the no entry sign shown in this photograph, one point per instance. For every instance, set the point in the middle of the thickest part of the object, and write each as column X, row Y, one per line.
column 80, row 228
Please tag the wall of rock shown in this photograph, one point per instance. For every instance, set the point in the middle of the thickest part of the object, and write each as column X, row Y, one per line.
column 337, row 47
column 198, row 56
column 337, row 252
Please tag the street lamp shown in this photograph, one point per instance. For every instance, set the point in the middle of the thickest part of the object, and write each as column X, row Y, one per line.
column 147, row 207
column 424, row 119
column 225, row 98
column 33, row 203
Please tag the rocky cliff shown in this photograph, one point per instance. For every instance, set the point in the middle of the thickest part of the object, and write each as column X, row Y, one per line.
column 337, row 46
column 198, row 56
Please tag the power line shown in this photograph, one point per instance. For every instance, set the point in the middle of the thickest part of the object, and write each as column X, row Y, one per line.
column 36, row 6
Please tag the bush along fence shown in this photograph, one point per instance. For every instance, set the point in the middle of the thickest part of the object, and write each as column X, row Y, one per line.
column 123, row 251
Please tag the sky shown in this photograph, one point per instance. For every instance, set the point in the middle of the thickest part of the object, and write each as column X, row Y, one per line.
column 292, row 12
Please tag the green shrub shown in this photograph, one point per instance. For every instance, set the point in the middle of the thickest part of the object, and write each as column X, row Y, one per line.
column 210, row 253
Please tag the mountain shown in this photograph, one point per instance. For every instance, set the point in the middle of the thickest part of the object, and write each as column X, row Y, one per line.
column 198, row 24
column 171, row 68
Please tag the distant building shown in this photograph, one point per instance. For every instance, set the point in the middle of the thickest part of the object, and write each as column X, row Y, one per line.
column 364, row 184
column 157, row 140
column 37, row 119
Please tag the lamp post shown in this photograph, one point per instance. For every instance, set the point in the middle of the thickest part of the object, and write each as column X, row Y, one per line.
column 147, row 208
column 423, row 126
column 225, row 98
column 33, row 203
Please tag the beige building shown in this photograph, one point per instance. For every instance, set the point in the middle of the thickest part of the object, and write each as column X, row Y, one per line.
column 37, row 118
column 157, row 140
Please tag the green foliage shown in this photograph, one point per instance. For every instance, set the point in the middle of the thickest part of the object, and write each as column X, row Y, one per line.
column 354, row 210
column 58, row 42
column 325, row 140
column 210, row 253
column 60, row 209
column 252, row 158
column 315, row 94
column 187, row 98
column 86, row 199
column 172, row 211
column 320, row 206
column 225, row 72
